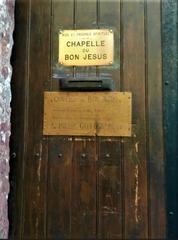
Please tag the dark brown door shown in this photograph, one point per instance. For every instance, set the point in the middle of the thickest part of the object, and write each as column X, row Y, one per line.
column 87, row 187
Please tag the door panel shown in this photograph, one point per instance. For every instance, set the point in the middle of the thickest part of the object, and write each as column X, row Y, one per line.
column 35, row 153
column 88, row 187
column 134, row 80
column 83, row 200
column 155, row 122
column 109, row 189
column 59, row 187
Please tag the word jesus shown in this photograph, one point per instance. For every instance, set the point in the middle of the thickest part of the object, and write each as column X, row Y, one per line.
column 85, row 56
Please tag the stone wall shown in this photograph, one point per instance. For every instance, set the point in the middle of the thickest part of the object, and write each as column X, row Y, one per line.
column 6, row 42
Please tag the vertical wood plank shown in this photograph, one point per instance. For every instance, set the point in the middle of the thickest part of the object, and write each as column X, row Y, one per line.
column 83, row 205
column 18, row 125
column 85, row 14
column 135, row 161
column 62, row 18
column 109, row 206
column 60, row 148
column 35, row 178
column 83, row 223
column 109, row 168
column 85, row 18
column 109, row 17
column 156, row 167
column 59, row 188
column 170, row 90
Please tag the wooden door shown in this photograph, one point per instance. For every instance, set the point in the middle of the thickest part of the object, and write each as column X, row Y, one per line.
column 73, row 187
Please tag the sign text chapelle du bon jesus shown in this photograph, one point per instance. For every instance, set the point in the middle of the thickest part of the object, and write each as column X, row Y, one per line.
column 90, row 47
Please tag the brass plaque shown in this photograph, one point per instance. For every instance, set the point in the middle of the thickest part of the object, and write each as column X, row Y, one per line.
column 87, row 113
column 90, row 47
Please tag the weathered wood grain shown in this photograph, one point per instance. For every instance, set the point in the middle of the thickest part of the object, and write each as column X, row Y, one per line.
column 109, row 189
column 83, row 224
column 60, row 148
column 62, row 17
column 83, row 199
column 59, row 188
column 135, row 160
column 18, row 124
column 35, row 178
column 156, row 166
column 169, row 14
column 80, row 187
column 109, row 17
column 110, row 208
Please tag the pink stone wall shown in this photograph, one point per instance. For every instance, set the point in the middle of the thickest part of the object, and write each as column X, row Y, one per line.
column 6, row 42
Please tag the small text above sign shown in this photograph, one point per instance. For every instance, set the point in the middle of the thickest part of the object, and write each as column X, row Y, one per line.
column 89, row 47
column 87, row 113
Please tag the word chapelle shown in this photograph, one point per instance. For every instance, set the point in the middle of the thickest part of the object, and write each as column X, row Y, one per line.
column 85, row 45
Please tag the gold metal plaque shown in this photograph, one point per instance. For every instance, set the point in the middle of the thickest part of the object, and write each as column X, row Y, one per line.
column 90, row 47
column 87, row 113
